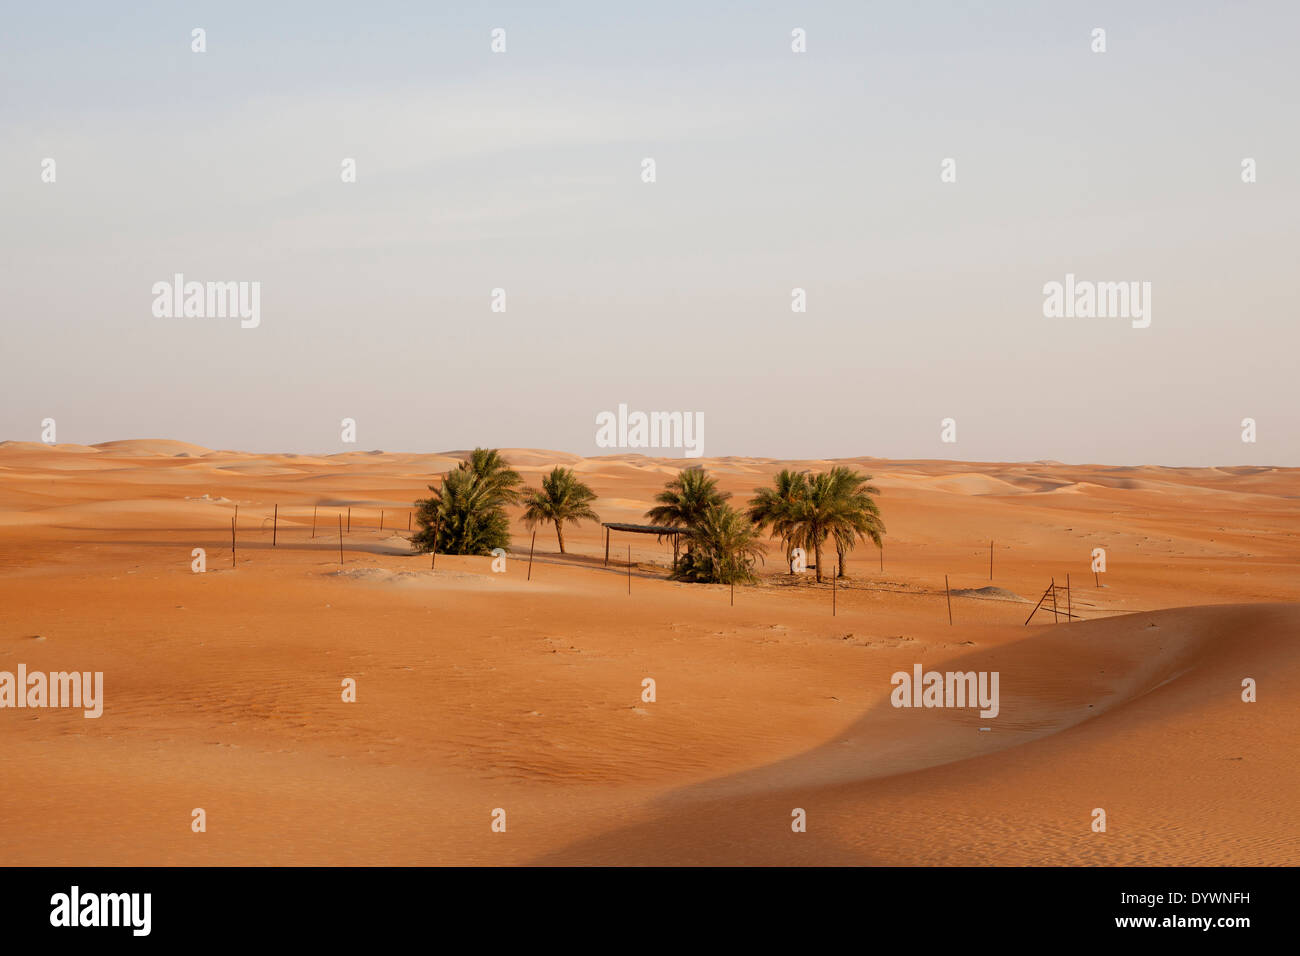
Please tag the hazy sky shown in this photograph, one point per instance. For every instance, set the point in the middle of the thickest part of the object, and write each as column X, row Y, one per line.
column 775, row 170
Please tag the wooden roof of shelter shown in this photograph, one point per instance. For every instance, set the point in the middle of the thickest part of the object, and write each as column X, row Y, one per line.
column 663, row 530
column 643, row 528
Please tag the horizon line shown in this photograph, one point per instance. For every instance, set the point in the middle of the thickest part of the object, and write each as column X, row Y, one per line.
column 458, row 453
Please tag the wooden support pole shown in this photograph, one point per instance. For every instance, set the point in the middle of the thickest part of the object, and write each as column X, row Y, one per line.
column 629, row 569
column 275, row 525
column 381, row 520
column 882, row 557
column 1095, row 582
column 606, row 547
column 990, row 560
column 948, row 594
column 1039, row 604
column 530, row 556
column 232, row 542
column 1055, row 618
column 349, row 521
column 733, row 590
column 408, row 521
column 1069, row 607
column 433, row 560
column 834, row 593
column 313, row 521
column 340, row 541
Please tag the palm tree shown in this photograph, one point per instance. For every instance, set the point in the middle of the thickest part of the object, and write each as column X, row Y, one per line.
column 722, row 548
column 562, row 498
column 685, row 499
column 776, row 507
column 857, row 515
column 466, row 514
column 811, row 517
column 494, row 475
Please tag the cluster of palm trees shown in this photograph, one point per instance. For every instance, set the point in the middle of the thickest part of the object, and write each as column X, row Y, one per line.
column 721, row 543
column 804, row 511
column 466, row 514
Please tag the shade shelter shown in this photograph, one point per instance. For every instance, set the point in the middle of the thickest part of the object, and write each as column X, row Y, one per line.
column 662, row 531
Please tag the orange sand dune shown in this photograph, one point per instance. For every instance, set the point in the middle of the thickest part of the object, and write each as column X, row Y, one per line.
column 478, row 691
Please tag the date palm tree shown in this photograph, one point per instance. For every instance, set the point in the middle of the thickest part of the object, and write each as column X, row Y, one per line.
column 812, row 517
column 466, row 513
column 776, row 508
column 563, row 498
column 685, row 499
column 857, row 515
column 722, row 548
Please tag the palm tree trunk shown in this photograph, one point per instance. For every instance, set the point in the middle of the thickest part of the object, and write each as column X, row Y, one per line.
column 818, row 549
column 559, row 533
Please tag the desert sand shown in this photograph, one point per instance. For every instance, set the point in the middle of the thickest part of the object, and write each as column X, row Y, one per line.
column 478, row 691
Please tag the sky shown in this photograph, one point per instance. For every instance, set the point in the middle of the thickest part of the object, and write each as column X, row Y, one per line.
column 774, row 170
